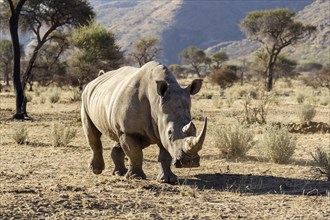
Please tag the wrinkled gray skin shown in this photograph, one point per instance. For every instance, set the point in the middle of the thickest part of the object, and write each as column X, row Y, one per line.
column 137, row 107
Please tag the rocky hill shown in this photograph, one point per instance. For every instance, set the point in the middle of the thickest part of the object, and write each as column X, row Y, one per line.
column 313, row 49
column 181, row 23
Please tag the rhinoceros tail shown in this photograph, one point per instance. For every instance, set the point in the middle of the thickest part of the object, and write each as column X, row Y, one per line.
column 101, row 72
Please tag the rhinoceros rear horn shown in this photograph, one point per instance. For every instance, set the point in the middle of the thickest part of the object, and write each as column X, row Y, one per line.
column 194, row 144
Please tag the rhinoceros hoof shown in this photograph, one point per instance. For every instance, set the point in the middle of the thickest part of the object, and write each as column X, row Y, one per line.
column 167, row 178
column 119, row 172
column 135, row 175
column 96, row 171
column 96, row 168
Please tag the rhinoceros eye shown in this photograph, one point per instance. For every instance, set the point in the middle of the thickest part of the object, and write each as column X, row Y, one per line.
column 170, row 134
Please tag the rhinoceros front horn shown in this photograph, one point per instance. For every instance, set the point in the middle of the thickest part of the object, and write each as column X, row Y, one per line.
column 194, row 144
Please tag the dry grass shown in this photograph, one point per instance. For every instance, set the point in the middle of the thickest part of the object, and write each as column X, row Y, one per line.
column 62, row 135
column 234, row 140
column 277, row 144
column 39, row 181
column 322, row 158
column 306, row 113
column 19, row 134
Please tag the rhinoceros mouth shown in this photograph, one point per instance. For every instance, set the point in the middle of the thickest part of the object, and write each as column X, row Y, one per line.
column 187, row 161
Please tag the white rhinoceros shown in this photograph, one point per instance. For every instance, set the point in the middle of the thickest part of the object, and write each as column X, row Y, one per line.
column 137, row 107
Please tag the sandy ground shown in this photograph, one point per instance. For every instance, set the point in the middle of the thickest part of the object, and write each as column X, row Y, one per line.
column 39, row 181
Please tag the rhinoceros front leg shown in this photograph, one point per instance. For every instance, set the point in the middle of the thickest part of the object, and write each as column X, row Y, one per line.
column 118, row 157
column 165, row 173
column 133, row 150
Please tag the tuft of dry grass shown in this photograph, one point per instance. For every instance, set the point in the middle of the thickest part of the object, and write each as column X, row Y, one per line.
column 277, row 144
column 19, row 134
column 322, row 160
column 61, row 135
column 54, row 95
column 75, row 95
column 306, row 113
column 234, row 140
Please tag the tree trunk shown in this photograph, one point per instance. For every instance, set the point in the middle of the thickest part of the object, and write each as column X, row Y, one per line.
column 270, row 77
column 270, row 69
column 7, row 74
column 13, row 26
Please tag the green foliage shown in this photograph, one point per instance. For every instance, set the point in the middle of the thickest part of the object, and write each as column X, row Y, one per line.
column 283, row 68
column 55, row 13
column 322, row 159
column 96, row 50
column 218, row 58
column 178, row 70
column 277, row 144
column 19, row 134
column 195, row 57
column 62, row 135
column 275, row 29
column 145, row 50
column 234, row 140
column 306, row 113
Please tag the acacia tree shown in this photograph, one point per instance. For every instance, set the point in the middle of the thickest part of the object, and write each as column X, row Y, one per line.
column 49, row 66
column 218, row 58
column 275, row 29
column 195, row 57
column 145, row 50
column 43, row 18
column 95, row 50
column 283, row 68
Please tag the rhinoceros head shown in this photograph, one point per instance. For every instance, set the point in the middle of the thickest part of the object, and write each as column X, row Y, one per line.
column 177, row 131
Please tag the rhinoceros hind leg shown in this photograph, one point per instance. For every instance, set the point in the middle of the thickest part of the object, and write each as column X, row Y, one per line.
column 93, row 136
column 132, row 147
column 118, row 157
column 165, row 173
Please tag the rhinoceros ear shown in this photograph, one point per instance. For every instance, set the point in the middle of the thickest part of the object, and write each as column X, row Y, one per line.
column 195, row 86
column 161, row 87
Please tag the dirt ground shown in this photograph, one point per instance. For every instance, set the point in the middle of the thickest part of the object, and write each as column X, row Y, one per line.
column 39, row 181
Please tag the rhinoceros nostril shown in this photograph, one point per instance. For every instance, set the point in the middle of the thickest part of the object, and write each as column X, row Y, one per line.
column 178, row 164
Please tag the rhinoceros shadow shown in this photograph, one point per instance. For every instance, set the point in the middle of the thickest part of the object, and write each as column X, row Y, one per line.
column 255, row 184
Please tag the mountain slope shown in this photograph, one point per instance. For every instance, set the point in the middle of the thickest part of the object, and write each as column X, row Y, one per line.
column 180, row 23
column 315, row 48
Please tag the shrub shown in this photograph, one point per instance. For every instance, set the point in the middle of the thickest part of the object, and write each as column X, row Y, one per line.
column 323, row 162
column 54, row 96
column 277, row 144
column 19, row 134
column 224, row 77
column 306, row 113
column 256, row 111
column 62, row 135
column 76, row 95
column 234, row 140
column 320, row 78
column 300, row 98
